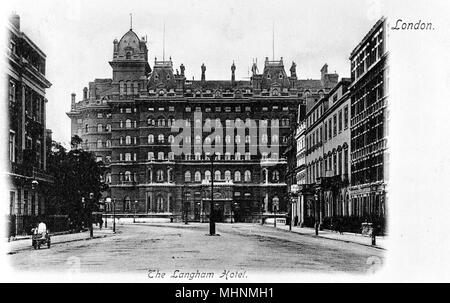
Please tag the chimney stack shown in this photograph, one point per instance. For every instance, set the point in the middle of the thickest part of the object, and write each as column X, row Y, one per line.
column 15, row 20
column 73, row 100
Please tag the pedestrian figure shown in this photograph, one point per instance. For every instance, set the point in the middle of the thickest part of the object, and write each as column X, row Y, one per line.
column 101, row 223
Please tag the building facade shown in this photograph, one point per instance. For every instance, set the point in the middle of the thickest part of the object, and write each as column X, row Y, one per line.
column 26, row 84
column 155, row 131
column 369, row 123
column 345, row 134
column 327, row 138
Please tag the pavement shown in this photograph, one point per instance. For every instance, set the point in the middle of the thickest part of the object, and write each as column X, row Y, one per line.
column 24, row 242
column 171, row 247
column 328, row 234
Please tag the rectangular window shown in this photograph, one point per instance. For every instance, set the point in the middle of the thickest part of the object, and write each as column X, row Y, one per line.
column 12, row 146
column 334, row 125
column 12, row 92
column 171, row 108
column 25, row 202
column 218, row 109
column 248, row 109
column 346, row 117
column 325, row 131
column 228, row 109
column 340, row 120
column 238, row 109
column 188, row 109
column 99, row 115
column 128, row 110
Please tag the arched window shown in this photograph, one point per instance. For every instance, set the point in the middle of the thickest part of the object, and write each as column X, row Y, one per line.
column 198, row 176
column 217, row 175
column 160, row 138
column 108, row 178
column 161, row 121
column 227, row 139
column 248, row 156
column 128, row 140
column 150, row 139
column 128, row 157
column 237, row 156
column 127, row 176
column 170, row 139
column 150, row 156
column 99, row 128
column 264, row 155
column 275, row 139
column 227, row 156
column 160, row 175
column 99, row 143
column 247, row 176
column 207, row 140
column 198, row 156
column 108, row 143
column 160, row 156
column 171, row 156
column 170, row 121
column 217, row 139
column 187, row 176
column 227, row 175
column 275, row 175
column 108, row 127
column 207, row 175
column 128, row 123
column 238, row 139
column 237, row 176
column 264, row 138
column 198, row 139
column 247, row 139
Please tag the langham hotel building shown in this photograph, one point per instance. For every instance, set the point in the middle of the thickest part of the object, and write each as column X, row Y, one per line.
column 126, row 121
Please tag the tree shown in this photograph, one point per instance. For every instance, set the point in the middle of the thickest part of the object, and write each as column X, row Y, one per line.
column 76, row 174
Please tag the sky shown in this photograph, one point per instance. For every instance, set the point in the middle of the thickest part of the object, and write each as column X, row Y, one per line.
column 77, row 37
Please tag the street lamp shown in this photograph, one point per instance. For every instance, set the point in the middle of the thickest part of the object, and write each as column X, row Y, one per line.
column 107, row 203
column 294, row 192
column 90, row 206
column 135, row 205
column 262, row 213
column 114, row 215
column 212, row 223
column 316, row 223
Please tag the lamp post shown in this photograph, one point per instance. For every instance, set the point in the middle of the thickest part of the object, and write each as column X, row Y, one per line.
column 212, row 223
column 135, row 206
column 90, row 206
column 262, row 213
column 294, row 192
column 114, row 214
column 316, row 223
column 107, row 203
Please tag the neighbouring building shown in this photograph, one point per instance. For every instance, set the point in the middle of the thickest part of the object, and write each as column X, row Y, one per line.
column 369, row 92
column 127, row 122
column 26, row 84
column 327, row 138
